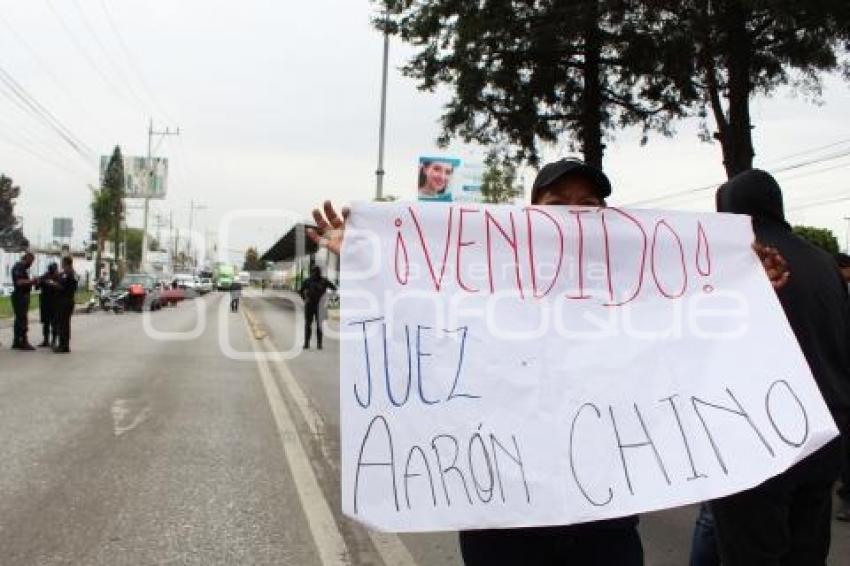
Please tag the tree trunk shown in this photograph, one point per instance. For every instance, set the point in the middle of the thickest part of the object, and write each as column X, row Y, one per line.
column 98, row 256
column 591, row 120
column 737, row 140
column 117, row 250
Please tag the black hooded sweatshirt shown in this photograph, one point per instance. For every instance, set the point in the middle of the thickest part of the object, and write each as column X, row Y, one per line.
column 815, row 298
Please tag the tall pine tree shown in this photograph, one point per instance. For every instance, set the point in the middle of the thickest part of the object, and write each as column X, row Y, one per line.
column 11, row 234
column 522, row 72
column 113, row 195
column 743, row 48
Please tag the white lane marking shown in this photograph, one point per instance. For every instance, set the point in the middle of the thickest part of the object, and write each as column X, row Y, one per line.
column 326, row 535
column 389, row 546
column 121, row 409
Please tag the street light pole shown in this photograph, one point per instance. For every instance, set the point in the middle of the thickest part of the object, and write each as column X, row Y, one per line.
column 379, row 174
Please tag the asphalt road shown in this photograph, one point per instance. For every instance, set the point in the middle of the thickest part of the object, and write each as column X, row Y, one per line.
column 192, row 449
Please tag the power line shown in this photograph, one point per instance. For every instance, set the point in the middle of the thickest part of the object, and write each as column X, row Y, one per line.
column 816, row 172
column 820, row 203
column 697, row 190
column 35, row 132
column 783, row 179
column 118, row 72
column 84, row 52
column 33, row 106
column 808, row 151
column 131, row 60
column 12, row 139
column 49, row 72
column 30, row 104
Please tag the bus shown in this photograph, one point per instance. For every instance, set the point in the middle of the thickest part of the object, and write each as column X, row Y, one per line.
column 223, row 276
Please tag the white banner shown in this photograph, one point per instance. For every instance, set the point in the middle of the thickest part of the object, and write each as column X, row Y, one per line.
column 519, row 366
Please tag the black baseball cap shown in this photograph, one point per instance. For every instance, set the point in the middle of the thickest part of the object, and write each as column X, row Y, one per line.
column 557, row 170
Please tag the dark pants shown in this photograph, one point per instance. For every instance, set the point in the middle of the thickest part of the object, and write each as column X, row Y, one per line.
column 50, row 324
column 844, row 488
column 311, row 313
column 602, row 543
column 704, row 543
column 65, row 313
column 784, row 521
column 234, row 304
column 21, row 307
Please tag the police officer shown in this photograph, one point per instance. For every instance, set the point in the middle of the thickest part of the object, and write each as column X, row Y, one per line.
column 21, row 301
column 312, row 291
column 49, row 285
column 65, row 303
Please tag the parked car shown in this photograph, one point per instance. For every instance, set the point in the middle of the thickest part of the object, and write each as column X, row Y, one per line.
column 6, row 290
column 170, row 295
column 185, row 281
column 204, row 285
column 142, row 292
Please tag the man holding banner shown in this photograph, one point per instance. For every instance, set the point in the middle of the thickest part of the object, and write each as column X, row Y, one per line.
column 584, row 425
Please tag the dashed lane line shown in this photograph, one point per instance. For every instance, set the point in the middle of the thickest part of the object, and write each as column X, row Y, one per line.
column 327, row 537
column 389, row 546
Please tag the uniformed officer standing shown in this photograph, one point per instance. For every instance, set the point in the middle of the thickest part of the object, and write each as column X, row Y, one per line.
column 65, row 304
column 21, row 301
column 49, row 285
column 312, row 291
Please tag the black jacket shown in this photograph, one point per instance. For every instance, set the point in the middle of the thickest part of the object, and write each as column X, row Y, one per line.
column 49, row 294
column 67, row 290
column 313, row 289
column 815, row 298
column 20, row 272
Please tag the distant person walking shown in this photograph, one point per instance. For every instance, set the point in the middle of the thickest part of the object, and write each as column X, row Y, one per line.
column 235, row 295
column 47, row 306
column 23, row 285
column 312, row 291
column 65, row 304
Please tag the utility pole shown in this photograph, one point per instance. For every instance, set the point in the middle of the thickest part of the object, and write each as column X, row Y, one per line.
column 151, row 134
column 379, row 174
column 192, row 208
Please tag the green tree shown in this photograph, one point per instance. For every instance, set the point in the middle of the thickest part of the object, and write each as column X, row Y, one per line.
column 101, row 213
column 499, row 182
column 522, row 72
column 133, row 238
column 11, row 233
column 113, row 189
column 744, row 48
column 823, row 238
column 252, row 261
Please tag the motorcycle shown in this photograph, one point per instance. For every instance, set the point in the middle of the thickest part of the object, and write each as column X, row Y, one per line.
column 117, row 302
column 109, row 301
column 100, row 299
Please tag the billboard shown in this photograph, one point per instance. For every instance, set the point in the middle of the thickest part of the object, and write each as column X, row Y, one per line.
column 449, row 179
column 143, row 177
column 63, row 227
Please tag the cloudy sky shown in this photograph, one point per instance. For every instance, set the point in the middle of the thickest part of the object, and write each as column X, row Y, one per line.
column 277, row 104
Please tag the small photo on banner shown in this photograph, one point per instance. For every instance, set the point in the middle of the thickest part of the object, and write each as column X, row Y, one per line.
column 437, row 178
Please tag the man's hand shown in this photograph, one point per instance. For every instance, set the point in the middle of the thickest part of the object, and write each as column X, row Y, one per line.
column 774, row 265
column 330, row 227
